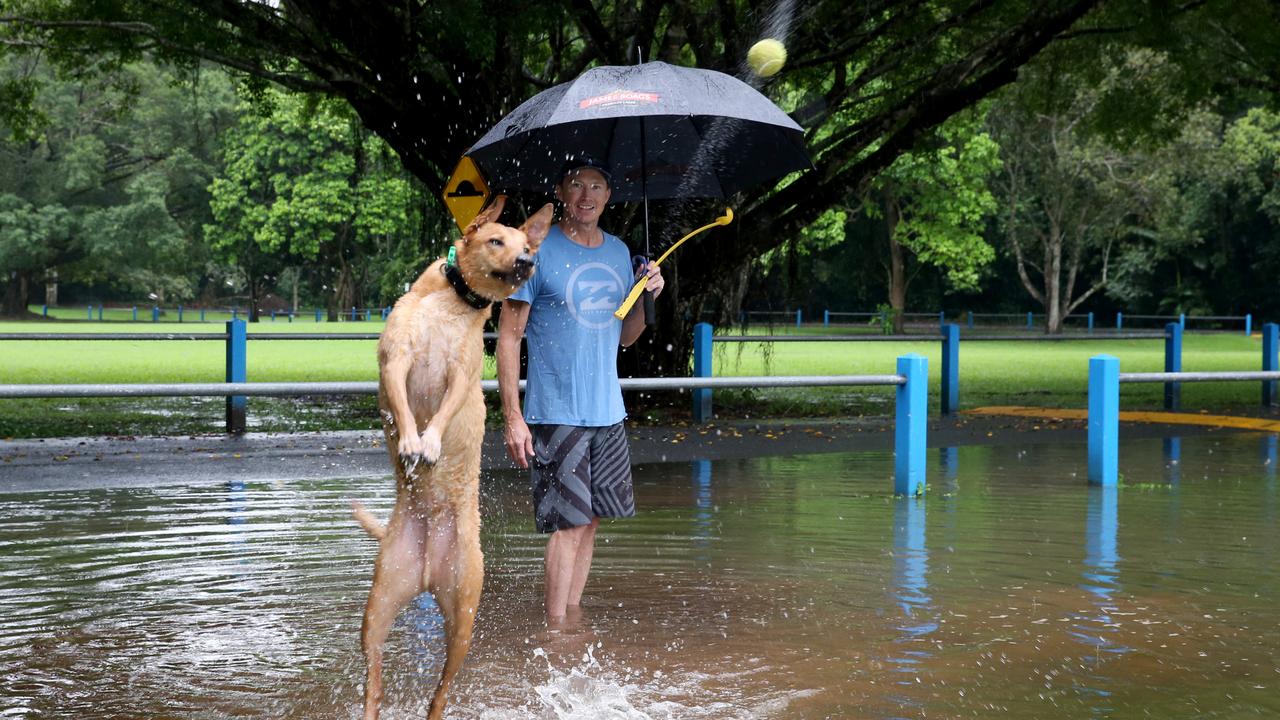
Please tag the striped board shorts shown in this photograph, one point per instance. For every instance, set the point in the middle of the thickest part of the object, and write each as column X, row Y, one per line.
column 580, row 473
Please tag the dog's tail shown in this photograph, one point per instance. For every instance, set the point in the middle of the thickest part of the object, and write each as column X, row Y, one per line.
column 367, row 521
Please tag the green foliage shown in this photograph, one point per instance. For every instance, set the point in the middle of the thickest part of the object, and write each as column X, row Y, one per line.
column 942, row 200
column 104, row 184
column 305, row 183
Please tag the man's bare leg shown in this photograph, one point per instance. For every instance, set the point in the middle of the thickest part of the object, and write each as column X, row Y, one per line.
column 559, row 562
column 582, row 563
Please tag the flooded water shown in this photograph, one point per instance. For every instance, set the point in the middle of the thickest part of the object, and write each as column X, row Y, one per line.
column 791, row 587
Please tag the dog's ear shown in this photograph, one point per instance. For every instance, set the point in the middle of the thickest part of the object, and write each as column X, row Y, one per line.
column 538, row 225
column 488, row 215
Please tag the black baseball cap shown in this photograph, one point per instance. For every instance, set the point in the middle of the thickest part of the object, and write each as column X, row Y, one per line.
column 586, row 161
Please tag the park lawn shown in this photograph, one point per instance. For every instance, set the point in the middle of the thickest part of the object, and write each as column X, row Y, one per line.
column 1046, row 374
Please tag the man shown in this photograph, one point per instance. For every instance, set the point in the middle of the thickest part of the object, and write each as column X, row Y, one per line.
column 571, row 429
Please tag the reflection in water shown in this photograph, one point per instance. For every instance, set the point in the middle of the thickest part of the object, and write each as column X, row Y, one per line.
column 1173, row 459
column 237, row 502
column 702, row 516
column 911, row 591
column 1099, row 630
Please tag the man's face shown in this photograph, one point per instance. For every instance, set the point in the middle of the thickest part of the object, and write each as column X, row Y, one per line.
column 584, row 193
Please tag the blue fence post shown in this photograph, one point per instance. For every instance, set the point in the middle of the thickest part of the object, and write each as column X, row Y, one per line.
column 970, row 319
column 1182, row 320
column 826, row 318
column 1104, row 419
column 236, row 373
column 155, row 313
column 702, row 368
column 1119, row 320
column 273, row 316
column 317, row 314
column 942, row 318
column 1270, row 343
column 100, row 309
column 797, row 318
column 1028, row 321
column 44, row 311
column 201, row 314
column 910, row 427
column 89, row 311
column 1172, row 364
column 135, row 313
column 1248, row 324
column 179, row 314
column 950, row 368
column 234, row 313
column 1091, row 322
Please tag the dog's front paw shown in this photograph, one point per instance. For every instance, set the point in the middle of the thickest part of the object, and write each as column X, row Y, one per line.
column 430, row 445
column 412, row 448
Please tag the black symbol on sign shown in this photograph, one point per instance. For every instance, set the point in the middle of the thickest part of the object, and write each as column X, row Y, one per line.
column 465, row 189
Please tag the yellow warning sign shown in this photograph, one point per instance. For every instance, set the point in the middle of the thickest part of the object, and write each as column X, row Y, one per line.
column 465, row 194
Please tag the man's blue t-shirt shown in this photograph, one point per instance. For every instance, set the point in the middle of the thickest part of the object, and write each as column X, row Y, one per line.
column 572, row 333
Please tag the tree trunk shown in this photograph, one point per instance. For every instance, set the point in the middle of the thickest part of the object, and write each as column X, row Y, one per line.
column 15, row 295
column 897, row 269
column 1053, row 280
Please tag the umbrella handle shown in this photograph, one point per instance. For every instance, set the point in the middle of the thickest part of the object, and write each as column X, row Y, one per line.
column 638, row 288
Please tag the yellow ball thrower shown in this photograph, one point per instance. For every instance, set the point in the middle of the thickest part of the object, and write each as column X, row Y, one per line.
column 634, row 295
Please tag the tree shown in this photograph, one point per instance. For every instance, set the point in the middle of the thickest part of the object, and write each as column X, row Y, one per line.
column 1072, row 199
column 934, row 203
column 105, row 181
column 304, row 183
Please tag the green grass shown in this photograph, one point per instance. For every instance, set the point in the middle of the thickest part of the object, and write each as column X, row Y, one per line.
column 1047, row 374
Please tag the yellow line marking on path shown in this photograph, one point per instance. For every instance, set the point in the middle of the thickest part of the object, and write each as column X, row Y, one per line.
column 1165, row 418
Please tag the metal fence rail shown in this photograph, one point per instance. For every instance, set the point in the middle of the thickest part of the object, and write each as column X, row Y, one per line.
column 295, row 389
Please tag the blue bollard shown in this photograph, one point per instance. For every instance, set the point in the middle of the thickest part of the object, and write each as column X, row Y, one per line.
column 1090, row 322
column 273, row 316
column 970, row 319
column 1182, row 320
column 90, row 311
column 910, row 426
column 950, row 368
column 702, row 368
column 826, row 318
column 135, row 313
column 1248, row 324
column 233, row 313
column 797, row 318
column 942, row 318
column 1172, row 364
column 236, row 373
column 201, row 314
column 384, row 313
column 1104, row 419
column 155, row 314
column 44, row 311
column 1119, row 320
column 317, row 314
column 179, row 314
column 1028, row 321
column 100, row 307
column 1270, row 343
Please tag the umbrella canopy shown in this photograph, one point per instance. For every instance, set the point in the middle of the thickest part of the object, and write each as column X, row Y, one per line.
column 665, row 131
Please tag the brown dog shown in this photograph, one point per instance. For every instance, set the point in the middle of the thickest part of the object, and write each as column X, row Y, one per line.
column 430, row 357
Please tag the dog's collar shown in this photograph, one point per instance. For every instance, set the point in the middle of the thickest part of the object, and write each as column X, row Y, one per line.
column 454, row 276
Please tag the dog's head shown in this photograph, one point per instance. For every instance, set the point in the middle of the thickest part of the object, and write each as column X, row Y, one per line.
column 496, row 259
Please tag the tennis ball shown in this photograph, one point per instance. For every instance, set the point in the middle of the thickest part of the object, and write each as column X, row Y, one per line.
column 767, row 57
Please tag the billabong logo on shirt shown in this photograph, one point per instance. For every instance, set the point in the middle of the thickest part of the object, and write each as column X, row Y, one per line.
column 594, row 292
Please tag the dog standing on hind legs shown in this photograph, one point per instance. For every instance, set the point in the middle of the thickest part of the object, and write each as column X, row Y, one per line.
column 430, row 357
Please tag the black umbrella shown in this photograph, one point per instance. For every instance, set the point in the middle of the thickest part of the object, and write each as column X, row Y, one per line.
column 665, row 131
